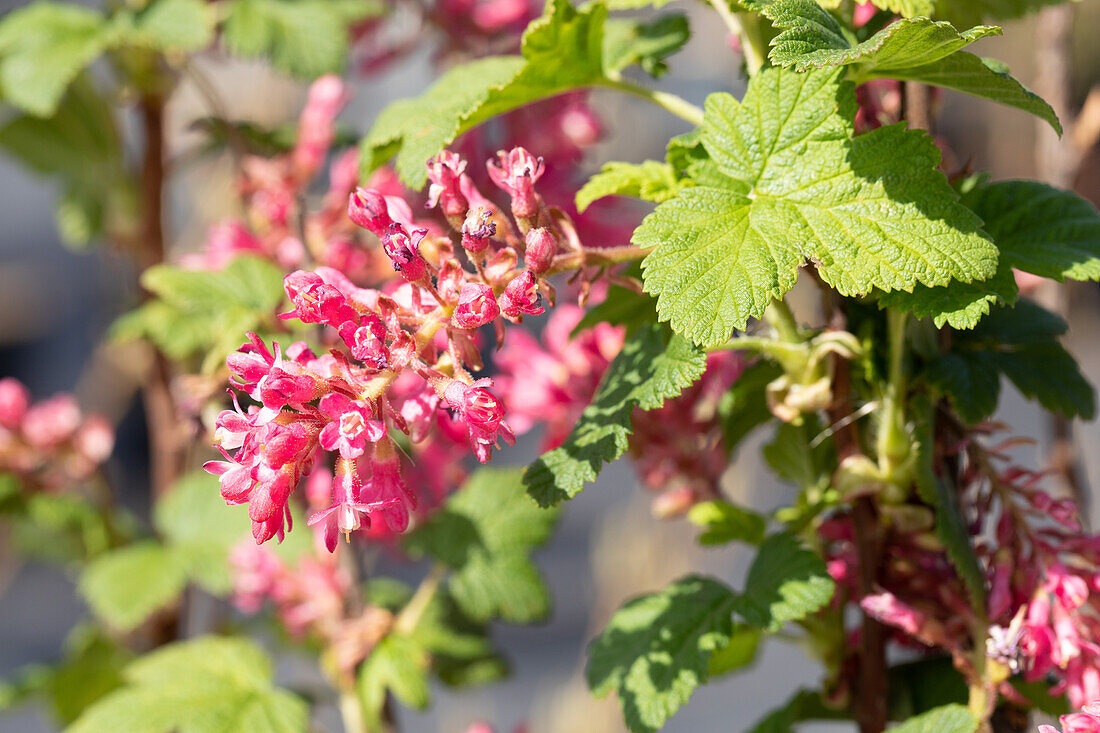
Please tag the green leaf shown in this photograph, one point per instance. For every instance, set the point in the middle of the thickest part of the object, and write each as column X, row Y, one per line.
column 980, row 77
column 199, row 311
column 803, row 705
column 745, row 406
column 870, row 211
column 174, row 25
column 906, row 8
column 950, row 526
column 972, row 12
column 562, row 50
column 645, row 43
column 204, row 685
column 650, row 369
column 793, row 457
column 200, row 529
column 43, row 47
column 723, row 522
column 738, row 654
column 485, row 533
column 460, row 650
column 1040, row 229
column 1022, row 344
column 813, row 38
column 946, row 719
column 125, row 586
column 786, row 582
column 649, row 181
column 305, row 38
column 958, row 304
column 92, row 668
column 621, row 307
column 79, row 145
column 397, row 664
column 656, row 649
column 919, row 686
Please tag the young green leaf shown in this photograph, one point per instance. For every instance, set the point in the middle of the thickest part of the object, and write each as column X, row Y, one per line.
column 125, row 586
column 43, row 47
column 794, row 457
column 650, row 369
column 813, row 38
column 958, row 304
column 913, row 49
column 869, row 211
column 745, row 406
column 645, row 43
column 397, row 664
column 657, row 648
column 204, row 685
column 1020, row 343
column 946, row 719
column 786, row 582
column 562, row 50
column 723, row 522
column 172, row 25
column 306, row 38
column 649, row 181
column 485, row 534
column 461, row 653
column 738, row 654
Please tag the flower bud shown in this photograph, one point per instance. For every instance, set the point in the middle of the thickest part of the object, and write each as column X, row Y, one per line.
column 368, row 209
column 515, row 173
column 476, row 306
column 367, row 341
column 521, row 297
column 14, row 400
column 445, row 172
column 541, row 248
column 477, row 229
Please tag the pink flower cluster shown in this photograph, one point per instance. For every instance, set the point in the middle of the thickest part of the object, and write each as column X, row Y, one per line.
column 51, row 444
column 398, row 359
column 1042, row 570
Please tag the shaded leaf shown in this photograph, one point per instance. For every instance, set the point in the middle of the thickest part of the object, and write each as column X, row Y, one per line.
column 786, row 582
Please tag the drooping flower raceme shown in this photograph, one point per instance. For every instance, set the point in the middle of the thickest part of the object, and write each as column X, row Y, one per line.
column 400, row 359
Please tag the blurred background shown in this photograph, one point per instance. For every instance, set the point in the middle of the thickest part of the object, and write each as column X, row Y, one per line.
column 58, row 304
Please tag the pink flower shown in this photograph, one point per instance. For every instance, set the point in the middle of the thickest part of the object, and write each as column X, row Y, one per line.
column 386, row 489
column 316, row 301
column 352, row 425
column 404, row 252
column 52, row 421
column 482, row 413
column 541, row 248
column 515, row 173
column 889, row 610
column 476, row 306
column 445, row 172
column 521, row 296
column 368, row 209
column 346, row 513
column 14, row 400
column 234, row 478
column 254, row 571
column 317, row 124
column 367, row 340
column 477, row 229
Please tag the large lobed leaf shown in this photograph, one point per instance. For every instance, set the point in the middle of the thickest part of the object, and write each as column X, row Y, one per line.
column 649, row 180
column 656, row 649
column 1037, row 228
column 650, row 369
column 125, row 586
column 870, row 211
column 485, row 534
column 204, row 685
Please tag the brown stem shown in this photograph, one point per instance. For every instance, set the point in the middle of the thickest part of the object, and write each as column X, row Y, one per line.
column 590, row 257
column 871, row 694
column 918, row 106
column 165, row 455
